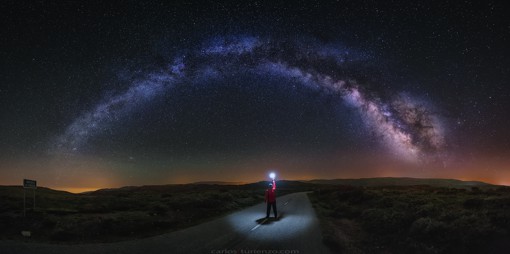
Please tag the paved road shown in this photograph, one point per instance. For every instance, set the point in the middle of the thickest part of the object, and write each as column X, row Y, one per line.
column 246, row 231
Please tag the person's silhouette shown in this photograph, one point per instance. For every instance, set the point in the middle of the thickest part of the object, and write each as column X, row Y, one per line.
column 271, row 199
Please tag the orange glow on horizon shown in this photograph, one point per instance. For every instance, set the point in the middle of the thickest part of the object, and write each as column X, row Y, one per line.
column 85, row 174
column 297, row 177
column 76, row 190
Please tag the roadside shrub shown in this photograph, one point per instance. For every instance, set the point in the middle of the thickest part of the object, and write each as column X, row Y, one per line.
column 429, row 230
column 209, row 203
column 418, row 219
column 354, row 196
column 343, row 210
column 92, row 208
column 473, row 203
column 428, row 209
column 159, row 209
column 166, row 195
column 500, row 218
column 384, row 221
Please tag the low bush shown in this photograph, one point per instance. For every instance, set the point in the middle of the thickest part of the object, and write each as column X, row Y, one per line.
column 416, row 219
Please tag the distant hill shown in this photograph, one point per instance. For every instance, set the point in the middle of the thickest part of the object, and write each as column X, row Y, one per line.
column 143, row 188
column 281, row 184
column 401, row 181
column 219, row 183
column 17, row 191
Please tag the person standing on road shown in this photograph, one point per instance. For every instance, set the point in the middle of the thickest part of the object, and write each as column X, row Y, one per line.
column 271, row 199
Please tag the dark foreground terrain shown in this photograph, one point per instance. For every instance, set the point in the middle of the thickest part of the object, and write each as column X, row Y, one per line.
column 296, row 231
column 379, row 215
column 414, row 219
column 126, row 213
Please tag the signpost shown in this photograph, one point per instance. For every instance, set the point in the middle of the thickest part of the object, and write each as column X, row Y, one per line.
column 28, row 184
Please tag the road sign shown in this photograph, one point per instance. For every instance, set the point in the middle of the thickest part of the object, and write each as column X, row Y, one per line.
column 29, row 184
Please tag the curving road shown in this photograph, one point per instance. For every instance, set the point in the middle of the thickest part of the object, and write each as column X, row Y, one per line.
column 246, row 231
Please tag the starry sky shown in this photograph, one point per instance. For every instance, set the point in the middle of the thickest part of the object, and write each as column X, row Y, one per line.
column 108, row 94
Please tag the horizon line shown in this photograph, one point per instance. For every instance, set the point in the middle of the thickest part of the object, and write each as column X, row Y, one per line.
column 79, row 190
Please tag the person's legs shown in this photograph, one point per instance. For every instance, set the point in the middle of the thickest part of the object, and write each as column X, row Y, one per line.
column 274, row 210
column 268, row 209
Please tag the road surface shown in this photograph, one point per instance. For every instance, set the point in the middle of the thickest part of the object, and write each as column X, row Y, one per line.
column 246, row 231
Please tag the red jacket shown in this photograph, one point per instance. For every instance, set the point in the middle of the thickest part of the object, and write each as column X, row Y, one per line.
column 270, row 194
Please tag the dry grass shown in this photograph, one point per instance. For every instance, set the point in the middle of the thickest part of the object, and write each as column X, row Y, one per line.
column 121, row 214
column 414, row 219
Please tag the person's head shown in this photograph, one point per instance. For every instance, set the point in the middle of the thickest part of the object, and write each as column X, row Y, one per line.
column 270, row 185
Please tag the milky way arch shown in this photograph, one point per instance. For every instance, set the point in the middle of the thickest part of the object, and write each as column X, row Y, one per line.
column 408, row 128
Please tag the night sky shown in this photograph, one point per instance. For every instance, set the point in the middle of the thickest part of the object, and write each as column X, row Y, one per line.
column 114, row 93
